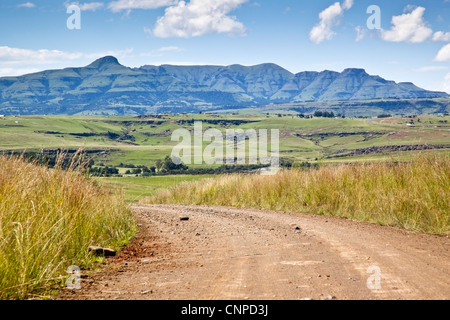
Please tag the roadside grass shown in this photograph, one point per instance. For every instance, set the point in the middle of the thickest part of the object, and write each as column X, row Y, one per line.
column 48, row 219
column 414, row 195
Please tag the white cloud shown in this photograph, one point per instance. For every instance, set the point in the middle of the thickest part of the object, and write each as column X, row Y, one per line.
column 443, row 54
column 13, row 56
column 148, row 30
column 12, row 72
column 125, row 53
column 26, row 5
column 348, row 4
column 170, row 48
column 446, row 83
column 360, row 33
column 92, row 6
column 121, row 5
column 409, row 8
column 329, row 18
column 17, row 61
column 430, row 68
column 161, row 51
column 441, row 36
column 87, row 6
column 199, row 17
column 408, row 27
column 179, row 63
column 442, row 85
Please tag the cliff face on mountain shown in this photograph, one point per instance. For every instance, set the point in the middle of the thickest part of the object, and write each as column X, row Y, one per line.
column 106, row 83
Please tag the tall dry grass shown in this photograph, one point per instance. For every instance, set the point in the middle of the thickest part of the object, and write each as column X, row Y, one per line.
column 48, row 219
column 413, row 195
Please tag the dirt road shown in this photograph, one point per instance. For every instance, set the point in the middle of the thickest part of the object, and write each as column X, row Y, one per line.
column 229, row 253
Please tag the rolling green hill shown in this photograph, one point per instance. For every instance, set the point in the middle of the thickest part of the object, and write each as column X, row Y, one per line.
column 105, row 87
column 143, row 140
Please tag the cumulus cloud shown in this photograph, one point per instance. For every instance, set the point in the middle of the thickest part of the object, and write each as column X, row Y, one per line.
column 199, row 17
column 443, row 54
column 329, row 18
column 441, row 36
column 127, row 5
column 408, row 27
column 26, row 5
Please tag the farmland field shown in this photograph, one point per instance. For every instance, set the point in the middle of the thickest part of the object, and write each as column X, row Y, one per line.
column 141, row 141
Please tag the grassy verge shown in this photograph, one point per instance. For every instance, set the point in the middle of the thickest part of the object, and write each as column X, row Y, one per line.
column 413, row 195
column 48, row 219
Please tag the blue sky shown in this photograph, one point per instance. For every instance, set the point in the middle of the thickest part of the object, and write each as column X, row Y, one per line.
column 413, row 43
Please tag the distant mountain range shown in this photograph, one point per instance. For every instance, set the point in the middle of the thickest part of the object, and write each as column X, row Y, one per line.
column 107, row 87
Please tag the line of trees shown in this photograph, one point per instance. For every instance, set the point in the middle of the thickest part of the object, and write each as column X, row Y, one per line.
column 167, row 167
column 324, row 114
column 103, row 171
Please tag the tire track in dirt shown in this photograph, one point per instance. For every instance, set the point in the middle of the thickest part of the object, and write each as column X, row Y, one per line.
column 230, row 253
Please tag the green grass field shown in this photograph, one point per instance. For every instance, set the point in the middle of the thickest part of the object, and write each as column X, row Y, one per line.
column 142, row 141
column 137, row 188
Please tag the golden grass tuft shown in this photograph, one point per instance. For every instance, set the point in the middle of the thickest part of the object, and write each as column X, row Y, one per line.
column 413, row 195
column 48, row 219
